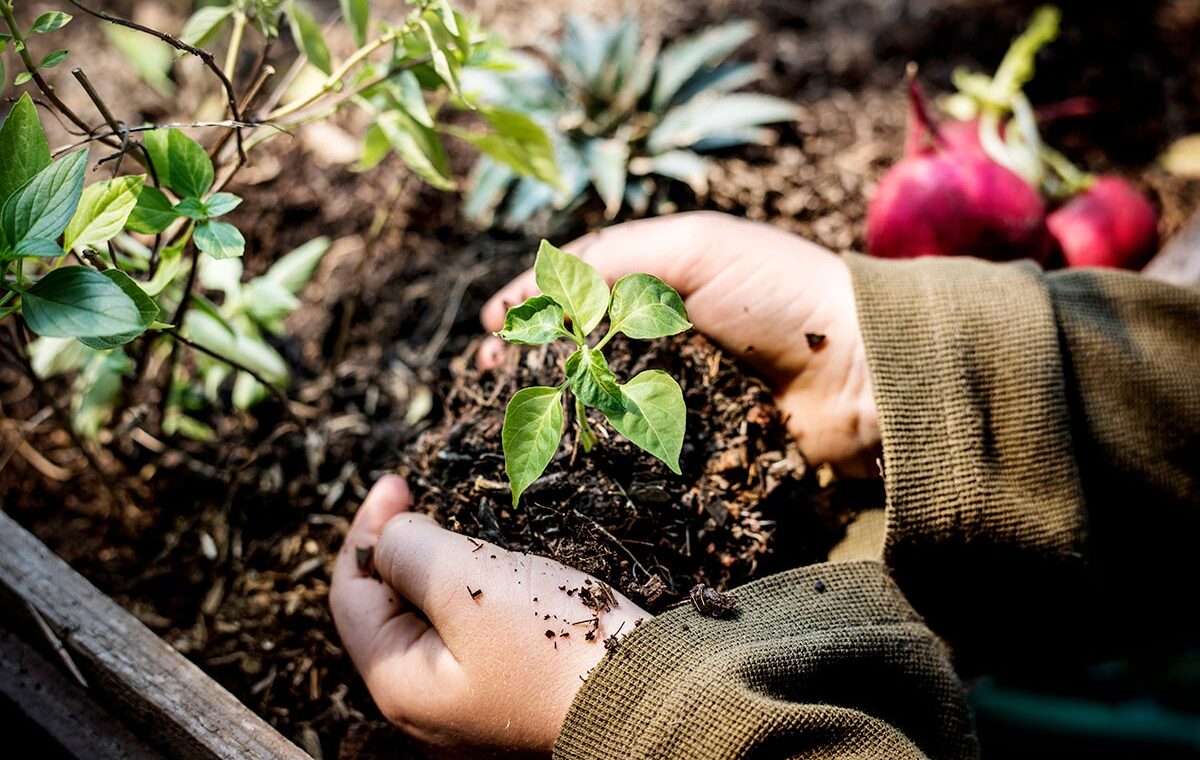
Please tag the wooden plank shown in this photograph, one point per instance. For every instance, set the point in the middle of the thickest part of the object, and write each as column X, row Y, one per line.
column 1179, row 260
column 58, row 706
column 128, row 668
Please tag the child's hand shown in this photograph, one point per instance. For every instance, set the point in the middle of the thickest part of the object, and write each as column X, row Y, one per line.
column 760, row 293
column 465, row 646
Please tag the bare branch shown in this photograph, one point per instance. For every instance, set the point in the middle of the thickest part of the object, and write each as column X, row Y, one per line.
column 178, row 44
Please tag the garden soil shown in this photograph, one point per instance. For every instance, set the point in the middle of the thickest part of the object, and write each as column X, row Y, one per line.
column 225, row 548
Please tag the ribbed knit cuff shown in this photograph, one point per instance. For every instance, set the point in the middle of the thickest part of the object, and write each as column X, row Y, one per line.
column 828, row 658
column 982, row 487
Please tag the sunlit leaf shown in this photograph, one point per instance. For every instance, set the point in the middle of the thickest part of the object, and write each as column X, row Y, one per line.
column 532, row 431
column 539, row 320
column 593, row 382
column 572, row 283
column 103, row 210
column 654, row 417
column 645, row 307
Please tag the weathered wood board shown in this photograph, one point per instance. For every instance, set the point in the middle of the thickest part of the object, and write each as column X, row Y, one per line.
column 129, row 669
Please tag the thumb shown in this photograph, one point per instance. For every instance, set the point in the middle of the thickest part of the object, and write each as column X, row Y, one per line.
column 668, row 247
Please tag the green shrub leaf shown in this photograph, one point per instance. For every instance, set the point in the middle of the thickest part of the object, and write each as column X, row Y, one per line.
column 203, row 25
column 518, row 142
column 53, row 58
column 295, row 268
column 654, row 416
column 539, row 320
column 103, row 210
column 573, row 284
column 40, row 247
column 308, row 37
column 220, row 204
column 148, row 312
column 358, row 16
column 24, row 147
column 180, row 162
column 593, row 382
column 153, row 212
column 608, row 165
column 532, row 430
column 49, row 22
column 682, row 60
column 192, row 208
column 77, row 302
column 418, row 146
column 44, row 205
column 645, row 307
column 220, row 240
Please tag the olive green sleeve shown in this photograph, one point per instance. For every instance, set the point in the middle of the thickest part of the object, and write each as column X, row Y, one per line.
column 827, row 661
column 1040, row 449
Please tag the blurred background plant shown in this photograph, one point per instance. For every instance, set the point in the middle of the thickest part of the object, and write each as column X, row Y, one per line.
column 405, row 75
column 629, row 119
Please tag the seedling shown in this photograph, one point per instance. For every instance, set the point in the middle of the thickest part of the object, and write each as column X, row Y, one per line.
column 648, row 410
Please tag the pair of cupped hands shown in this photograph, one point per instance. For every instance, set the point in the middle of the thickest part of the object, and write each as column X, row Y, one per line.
column 470, row 675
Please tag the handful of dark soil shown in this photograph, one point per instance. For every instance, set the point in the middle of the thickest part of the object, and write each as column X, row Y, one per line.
column 746, row 504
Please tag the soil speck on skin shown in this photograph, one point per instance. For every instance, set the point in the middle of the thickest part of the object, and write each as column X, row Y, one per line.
column 815, row 340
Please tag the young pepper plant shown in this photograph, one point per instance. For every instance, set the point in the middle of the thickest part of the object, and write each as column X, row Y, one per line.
column 648, row 410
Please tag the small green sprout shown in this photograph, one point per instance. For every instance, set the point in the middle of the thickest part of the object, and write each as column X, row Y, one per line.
column 648, row 410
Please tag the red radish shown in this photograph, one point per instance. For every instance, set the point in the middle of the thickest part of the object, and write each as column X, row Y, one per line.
column 948, row 199
column 1110, row 224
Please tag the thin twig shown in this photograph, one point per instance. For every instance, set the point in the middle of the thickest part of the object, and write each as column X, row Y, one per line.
column 6, row 10
column 178, row 44
column 227, row 123
column 118, row 127
column 279, row 393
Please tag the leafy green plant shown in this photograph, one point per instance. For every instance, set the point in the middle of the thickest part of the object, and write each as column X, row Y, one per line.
column 648, row 410
column 628, row 119
column 125, row 266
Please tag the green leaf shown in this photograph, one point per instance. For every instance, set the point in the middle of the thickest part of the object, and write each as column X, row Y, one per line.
column 151, row 58
column 539, row 320
column 74, row 302
column 49, row 22
column 679, row 62
column 593, row 382
column 103, row 210
column 22, row 78
column 645, row 307
column 683, row 165
column 24, row 147
column 180, row 162
column 375, row 148
column 705, row 118
column 308, row 37
column 268, row 302
column 248, row 350
column 44, row 205
column 419, row 147
column 358, row 16
column 97, row 389
column 220, row 240
column 50, row 357
column 518, row 142
column 574, row 284
column 153, row 212
column 203, row 25
column 411, row 98
column 447, row 69
column 148, row 312
column 54, row 58
column 40, row 247
column 608, row 165
column 533, row 424
column 220, row 204
column 654, row 417
column 295, row 268
column 192, row 208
